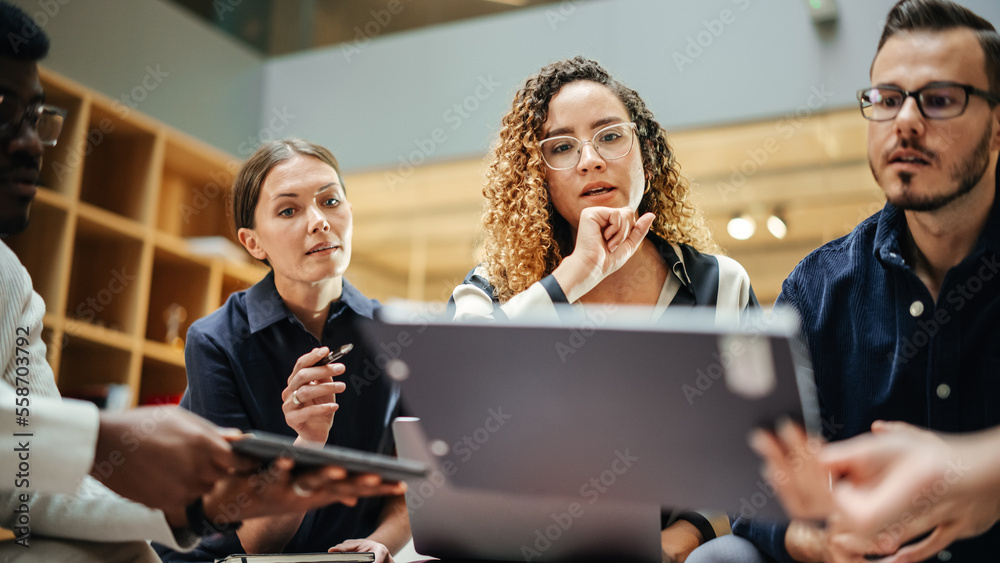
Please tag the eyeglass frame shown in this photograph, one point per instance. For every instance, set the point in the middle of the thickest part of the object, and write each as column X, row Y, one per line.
column 915, row 94
column 31, row 113
column 630, row 124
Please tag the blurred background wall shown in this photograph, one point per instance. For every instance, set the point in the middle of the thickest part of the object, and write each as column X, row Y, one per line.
column 758, row 96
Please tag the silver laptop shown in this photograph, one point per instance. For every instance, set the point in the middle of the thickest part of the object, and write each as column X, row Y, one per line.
column 452, row 523
column 607, row 407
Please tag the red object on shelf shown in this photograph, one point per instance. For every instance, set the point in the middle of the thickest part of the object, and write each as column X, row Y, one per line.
column 162, row 399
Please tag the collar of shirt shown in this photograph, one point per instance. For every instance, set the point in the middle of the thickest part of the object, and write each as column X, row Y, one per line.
column 892, row 221
column 671, row 254
column 266, row 307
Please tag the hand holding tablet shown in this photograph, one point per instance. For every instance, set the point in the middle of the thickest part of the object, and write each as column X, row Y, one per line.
column 267, row 446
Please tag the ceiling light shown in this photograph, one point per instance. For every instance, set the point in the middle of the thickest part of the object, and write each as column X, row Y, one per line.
column 741, row 227
column 776, row 225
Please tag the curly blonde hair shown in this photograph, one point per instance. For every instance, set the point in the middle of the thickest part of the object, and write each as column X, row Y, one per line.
column 525, row 238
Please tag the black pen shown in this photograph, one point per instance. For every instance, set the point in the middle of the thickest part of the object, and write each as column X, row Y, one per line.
column 334, row 355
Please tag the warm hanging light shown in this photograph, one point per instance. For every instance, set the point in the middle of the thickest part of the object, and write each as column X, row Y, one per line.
column 741, row 226
column 776, row 224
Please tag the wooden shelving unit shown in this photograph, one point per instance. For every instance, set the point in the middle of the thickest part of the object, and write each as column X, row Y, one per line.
column 107, row 247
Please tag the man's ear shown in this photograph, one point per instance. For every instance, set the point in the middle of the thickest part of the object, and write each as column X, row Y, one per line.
column 995, row 141
column 248, row 238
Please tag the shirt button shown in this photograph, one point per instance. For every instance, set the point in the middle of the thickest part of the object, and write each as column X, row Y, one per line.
column 917, row 308
column 944, row 555
column 943, row 391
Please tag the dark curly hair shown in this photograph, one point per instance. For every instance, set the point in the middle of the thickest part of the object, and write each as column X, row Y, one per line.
column 941, row 15
column 525, row 238
column 22, row 38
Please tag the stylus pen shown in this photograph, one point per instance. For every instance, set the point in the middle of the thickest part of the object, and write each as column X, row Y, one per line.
column 334, row 355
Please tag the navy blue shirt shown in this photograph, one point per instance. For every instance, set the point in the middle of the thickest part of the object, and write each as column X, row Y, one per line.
column 883, row 349
column 238, row 362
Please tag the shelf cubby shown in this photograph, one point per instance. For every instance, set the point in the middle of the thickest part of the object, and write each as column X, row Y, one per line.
column 118, row 163
column 105, row 276
column 194, row 195
column 178, row 295
column 163, row 382
column 86, row 363
column 42, row 248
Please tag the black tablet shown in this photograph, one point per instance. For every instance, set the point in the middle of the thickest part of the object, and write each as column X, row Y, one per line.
column 267, row 446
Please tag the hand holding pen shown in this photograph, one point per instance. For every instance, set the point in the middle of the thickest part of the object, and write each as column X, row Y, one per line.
column 309, row 400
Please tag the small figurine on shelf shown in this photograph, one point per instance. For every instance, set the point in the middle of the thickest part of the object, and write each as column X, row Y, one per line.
column 174, row 315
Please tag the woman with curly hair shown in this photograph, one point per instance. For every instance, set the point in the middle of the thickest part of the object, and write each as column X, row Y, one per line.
column 585, row 203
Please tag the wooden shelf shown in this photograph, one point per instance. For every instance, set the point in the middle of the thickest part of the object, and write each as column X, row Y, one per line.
column 42, row 248
column 178, row 295
column 163, row 381
column 193, row 192
column 105, row 283
column 97, row 334
column 118, row 166
column 106, row 245
column 88, row 362
column 163, row 353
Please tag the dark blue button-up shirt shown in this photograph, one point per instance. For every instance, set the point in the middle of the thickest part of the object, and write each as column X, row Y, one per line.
column 883, row 349
column 238, row 362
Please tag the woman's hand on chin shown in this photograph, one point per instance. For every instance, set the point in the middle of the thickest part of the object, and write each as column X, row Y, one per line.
column 606, row 238
column 310, row 399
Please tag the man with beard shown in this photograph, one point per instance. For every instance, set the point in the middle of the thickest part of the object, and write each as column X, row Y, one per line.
column 902, row 316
